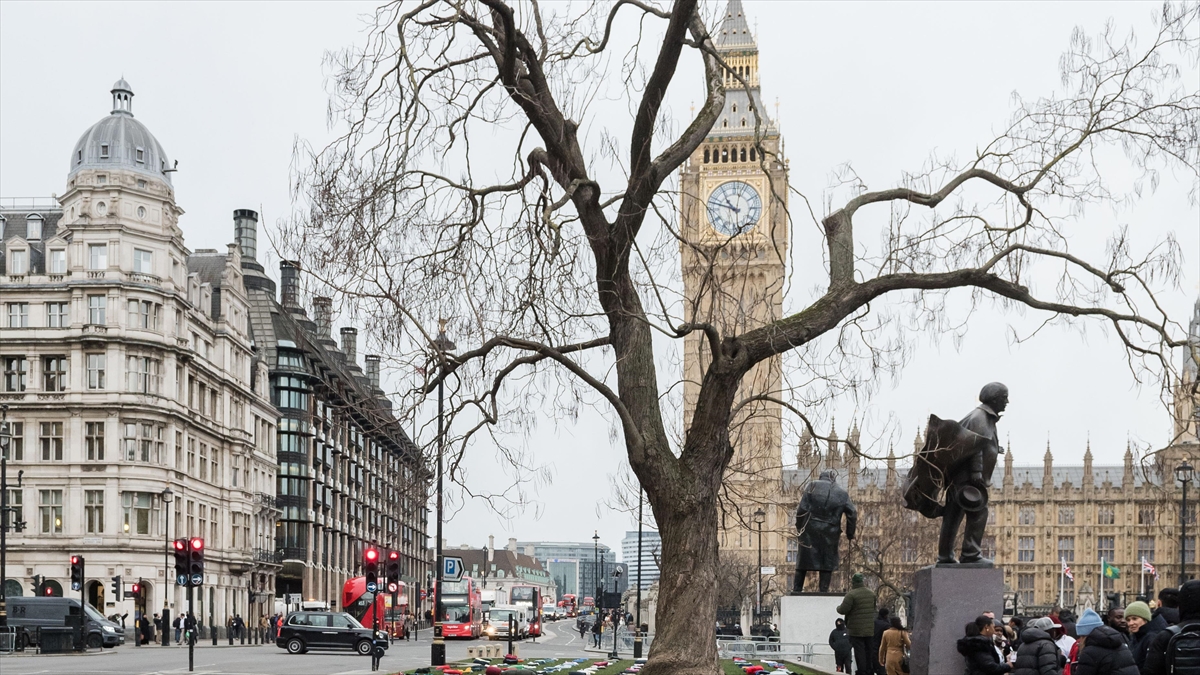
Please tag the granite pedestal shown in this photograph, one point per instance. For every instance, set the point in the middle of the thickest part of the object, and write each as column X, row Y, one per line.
column 945, row 600
column 808, row 618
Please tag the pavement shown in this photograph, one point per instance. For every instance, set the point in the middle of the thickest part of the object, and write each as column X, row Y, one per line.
column 560, row 640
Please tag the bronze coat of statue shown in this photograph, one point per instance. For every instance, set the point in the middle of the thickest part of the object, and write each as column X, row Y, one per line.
column 952, row 472
column 819, row 520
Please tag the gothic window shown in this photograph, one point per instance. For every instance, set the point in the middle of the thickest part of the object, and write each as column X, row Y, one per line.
column 1025, row 584
column 1025, row 549
column 1146, row 549
column 1105, row 548
column 1189, row 550
column 734, row 107
column 908, row 551
column 724, row 123
column 1066, row 549
column 988, row 546
column 1104, row 515
column 1027, row 516
column 1066, row 515
column 1145, row 514
column 743, row 122
column 752, row 155
column 991, row 516
column 743, row 149
column 1068, row 593
column 706, row 155
column 724, row 154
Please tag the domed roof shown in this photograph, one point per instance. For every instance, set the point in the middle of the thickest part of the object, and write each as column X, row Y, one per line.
column 121, row 142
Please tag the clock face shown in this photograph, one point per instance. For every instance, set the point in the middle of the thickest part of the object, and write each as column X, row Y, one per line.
column 734, row 208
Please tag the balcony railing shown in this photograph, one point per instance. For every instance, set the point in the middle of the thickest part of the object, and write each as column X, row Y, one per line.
column 262, row 555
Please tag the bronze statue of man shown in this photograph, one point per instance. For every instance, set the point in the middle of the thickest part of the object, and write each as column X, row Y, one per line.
column 819, row 520
column 957, row 462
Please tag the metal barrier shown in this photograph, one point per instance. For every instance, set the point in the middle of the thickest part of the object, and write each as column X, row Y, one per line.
column 8, row 639
column 624, row 641
column 56, row 639
column 766, row 648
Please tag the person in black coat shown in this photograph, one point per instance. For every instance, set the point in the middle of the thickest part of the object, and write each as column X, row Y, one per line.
column 979, row 651
column 839, row 641
column 1038, row 654
column 881, row 624
column 1189, row 613
column 1168, row 605
column 1105, row 653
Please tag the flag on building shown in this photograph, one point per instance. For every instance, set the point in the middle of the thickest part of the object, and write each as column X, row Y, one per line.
column 1066, row 570
column 1147, row 568
column 1110, row 571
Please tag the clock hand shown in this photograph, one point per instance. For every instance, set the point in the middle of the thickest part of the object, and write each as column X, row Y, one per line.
column 733, row 207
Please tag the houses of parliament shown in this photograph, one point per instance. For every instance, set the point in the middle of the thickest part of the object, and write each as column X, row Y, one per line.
column 733, row 208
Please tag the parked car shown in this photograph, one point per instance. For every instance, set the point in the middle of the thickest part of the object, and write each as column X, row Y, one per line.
column 33, row 612
column 326, row 630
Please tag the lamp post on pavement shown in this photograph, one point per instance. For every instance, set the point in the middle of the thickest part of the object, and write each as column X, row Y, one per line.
column 599, row 590
column 617, row 613
column 167, row 498
column 443, row 345
column 759, row 517
column 5, row 443
column 1183, row 474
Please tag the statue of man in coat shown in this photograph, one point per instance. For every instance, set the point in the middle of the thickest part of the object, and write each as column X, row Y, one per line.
column 819, row 521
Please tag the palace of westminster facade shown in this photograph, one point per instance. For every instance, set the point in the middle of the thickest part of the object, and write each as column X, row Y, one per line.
column 1040, row 516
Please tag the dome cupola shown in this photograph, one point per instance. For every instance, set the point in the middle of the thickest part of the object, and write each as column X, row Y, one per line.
column 121, row 142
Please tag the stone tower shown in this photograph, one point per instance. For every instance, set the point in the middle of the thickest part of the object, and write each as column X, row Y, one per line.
column 734, row 226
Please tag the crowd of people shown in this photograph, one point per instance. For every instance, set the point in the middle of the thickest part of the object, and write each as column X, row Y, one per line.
column 1157, row 638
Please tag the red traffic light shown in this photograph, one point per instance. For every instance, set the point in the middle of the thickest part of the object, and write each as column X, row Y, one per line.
column 393, row 555
column 136, row 588
column 197, row 544
column 49, row 591
column 371, row 555
column 180, row 544
column 74, row 560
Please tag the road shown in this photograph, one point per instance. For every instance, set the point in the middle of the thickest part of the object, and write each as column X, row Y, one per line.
column 560, row 640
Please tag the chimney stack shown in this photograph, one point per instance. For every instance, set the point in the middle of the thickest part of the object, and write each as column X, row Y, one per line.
column 323, row 314
column 245, row 231
column 491, row 544
column 373, row 369
column 289, row 283
column 350, row 345
column 512, row 544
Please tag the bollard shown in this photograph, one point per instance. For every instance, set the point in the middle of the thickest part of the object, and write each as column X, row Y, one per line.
column 213, row 629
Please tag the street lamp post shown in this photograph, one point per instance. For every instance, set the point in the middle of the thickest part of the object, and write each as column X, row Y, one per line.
column 1183, row 473
column 617, row 613
column 167, row 498
column 759, row 517
column 637, row 611
column 596, row 566
column 443, row 345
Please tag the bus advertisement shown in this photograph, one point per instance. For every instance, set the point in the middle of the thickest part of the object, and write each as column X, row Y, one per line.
column 394, row 615
column 568, row 603
column 462, row 612
column 530, row 597
column 357, row 602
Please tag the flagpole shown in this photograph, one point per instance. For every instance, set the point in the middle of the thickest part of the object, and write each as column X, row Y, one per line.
column 1143, row 575
column 1062, row 578
column 1100, row 599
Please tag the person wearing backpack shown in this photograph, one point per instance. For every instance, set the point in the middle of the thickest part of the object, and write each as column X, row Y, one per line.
column 1176, row 650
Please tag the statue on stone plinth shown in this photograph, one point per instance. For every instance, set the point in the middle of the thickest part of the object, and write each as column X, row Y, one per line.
column 952, row 472
column 819, row 520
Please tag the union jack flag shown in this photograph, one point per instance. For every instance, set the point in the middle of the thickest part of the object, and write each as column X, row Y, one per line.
column 1066, row 570
column 1147, row 568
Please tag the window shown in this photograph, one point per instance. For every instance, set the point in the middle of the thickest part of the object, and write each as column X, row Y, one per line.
column 1145, row 514
column 144, row 374
column 104, row 151
column 143, row 261
column 1189, row 550
column 54, row 373
column 101, row 180
column 1068, row 593
column 141, row 183
column 138, row 507
column 95, row 371
column 1104, row 515
column 33, row 228
column 16, row 371
column 141, row 210
column 908, row 550
column 98, row 256
column 1146, row 549
column 142, row 442
column 56, row 315
column 1066, row 549
column 18, row 315
column 1066, row 515
column 16, row 444
column 97, row 304
column 16, row 503
column 50, row 511
column 140, row 155
column 51, row 439
column 58, row 261
column 1105, row 546
column 1025, row 584
column 94, row 441
column 18, row 262
column 1027, row 516
column 291, row 392
column 203, row 461
column 1025, row 549
column 191, row 457
column 988, row 547
column 144, row 314
column 93, row 511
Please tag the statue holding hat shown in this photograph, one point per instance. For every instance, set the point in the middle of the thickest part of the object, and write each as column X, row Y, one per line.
column 952, row 472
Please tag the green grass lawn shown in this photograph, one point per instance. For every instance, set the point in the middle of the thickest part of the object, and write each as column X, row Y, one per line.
column 616, row 667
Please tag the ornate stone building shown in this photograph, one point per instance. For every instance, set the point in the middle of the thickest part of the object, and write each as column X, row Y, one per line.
column 129, row 369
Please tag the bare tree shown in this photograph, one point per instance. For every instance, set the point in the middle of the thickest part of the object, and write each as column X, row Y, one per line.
column 482, row 178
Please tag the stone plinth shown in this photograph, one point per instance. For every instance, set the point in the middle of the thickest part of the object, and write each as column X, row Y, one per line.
column 808, row 619
column 945, row 600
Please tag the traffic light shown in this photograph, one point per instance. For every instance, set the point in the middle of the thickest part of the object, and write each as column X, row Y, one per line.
column 36, row 584
column 392, row 567
column 195, row 567
column 135, row 592
column 371, row 567
column 118, row 588
column 180, row 548
column 76, row 572
column 47, row 591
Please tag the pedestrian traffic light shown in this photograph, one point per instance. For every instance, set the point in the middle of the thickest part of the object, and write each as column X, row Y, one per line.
column 47, row 591
column 76, row 572
column 371, row 567
column 135, row 592
column 118, row 588
column 195, row 561
column 392, row 567
column 36, row 584
column 180, row 548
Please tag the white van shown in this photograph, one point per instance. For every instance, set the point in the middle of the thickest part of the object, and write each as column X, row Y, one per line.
column 499, row 621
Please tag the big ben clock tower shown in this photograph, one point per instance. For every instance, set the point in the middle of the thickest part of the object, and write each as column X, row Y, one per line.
column 735, row 238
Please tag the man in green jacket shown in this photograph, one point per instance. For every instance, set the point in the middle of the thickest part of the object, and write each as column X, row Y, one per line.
column 859, row 608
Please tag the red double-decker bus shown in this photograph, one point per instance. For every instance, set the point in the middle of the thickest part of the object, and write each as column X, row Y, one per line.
column 462, row 609
column 357, row 602
column 568, row 603
column 531, row 597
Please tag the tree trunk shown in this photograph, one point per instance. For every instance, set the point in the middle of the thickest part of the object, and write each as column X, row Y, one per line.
column 685, row 627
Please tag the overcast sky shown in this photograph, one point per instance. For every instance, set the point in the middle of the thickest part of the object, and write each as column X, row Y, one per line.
column 228, row 87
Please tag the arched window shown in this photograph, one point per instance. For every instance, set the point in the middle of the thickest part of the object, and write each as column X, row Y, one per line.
column 706, row 155
column 743, row 154
column 724, row 154
column 743, row 121
column 752, row 155
column 724, row 123
column 734, row 107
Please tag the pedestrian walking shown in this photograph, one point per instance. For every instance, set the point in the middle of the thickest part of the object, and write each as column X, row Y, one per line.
column 839, row 641
column 882, row 623
column 858, row 606
column 979, row 650
column 178, row 626
column 597, row 630
column 893, row 649
column 1038, row 654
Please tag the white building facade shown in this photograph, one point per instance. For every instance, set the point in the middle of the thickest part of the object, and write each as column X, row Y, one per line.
column 129, row 371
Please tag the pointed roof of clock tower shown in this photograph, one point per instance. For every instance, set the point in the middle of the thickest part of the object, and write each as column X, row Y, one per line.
column 735, row 31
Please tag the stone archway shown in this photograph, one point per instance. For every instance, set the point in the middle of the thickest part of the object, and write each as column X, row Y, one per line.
column 13, row 588
column 95, row 595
